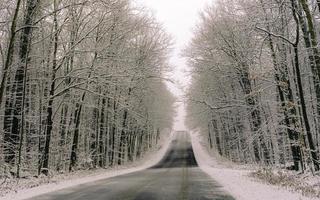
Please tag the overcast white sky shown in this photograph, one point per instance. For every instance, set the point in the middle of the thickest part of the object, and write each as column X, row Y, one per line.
column 179, row 18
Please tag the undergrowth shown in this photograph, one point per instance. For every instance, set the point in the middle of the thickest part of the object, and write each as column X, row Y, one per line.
column 307, row 184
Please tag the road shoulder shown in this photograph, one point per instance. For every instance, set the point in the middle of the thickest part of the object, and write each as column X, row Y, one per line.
column 82, row 177
column 237, row 181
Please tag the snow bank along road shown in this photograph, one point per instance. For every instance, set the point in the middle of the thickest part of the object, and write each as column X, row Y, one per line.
column 176, row 177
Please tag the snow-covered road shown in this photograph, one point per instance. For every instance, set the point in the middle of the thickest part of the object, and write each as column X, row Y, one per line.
column 176, row 176
column 185, row 172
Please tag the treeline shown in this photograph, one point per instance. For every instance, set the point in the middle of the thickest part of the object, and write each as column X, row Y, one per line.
column 255, row 92
column 82, row 85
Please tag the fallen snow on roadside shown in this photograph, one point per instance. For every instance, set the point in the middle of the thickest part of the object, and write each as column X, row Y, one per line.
column 59, row 183
column 237, row 181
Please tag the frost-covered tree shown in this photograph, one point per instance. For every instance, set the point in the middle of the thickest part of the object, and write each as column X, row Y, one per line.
column 255, row 82
column 82, row 84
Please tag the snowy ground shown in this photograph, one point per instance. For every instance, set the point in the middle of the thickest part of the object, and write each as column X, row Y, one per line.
column 24, row 189
column 235, row 179
column 238, row 182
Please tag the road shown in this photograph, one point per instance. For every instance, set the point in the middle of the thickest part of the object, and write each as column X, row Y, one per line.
column 176, row 177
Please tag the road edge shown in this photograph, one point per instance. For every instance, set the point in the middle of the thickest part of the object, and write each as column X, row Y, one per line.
column 149, row 161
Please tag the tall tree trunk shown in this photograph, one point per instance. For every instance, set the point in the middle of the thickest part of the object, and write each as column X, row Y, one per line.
column 13, row 107
column 124, row 130
column 10, row 52
column 45, row 166
column 254, row 111
column 313, row 152
column 75, row 140
column 22, row 128
column 77, row 114
column 102, row 135
column 312, row 35
column 293, row 135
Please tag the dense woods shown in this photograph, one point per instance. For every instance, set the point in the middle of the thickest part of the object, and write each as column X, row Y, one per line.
column 82, row 85
column 255, row 93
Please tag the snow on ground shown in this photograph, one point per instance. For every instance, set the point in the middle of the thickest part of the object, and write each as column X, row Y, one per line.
column 67, row 180
column 237, row 181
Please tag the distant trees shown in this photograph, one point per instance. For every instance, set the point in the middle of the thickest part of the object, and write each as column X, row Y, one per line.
column 82, row 84
column 255, row 88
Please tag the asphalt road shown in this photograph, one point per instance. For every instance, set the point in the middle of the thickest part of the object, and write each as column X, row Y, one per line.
column 175, row 177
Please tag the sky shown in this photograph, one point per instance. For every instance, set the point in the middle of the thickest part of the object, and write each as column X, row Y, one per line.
column 178, row 17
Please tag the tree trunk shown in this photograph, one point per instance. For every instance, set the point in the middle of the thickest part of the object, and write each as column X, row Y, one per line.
column 49, row 120
column 313, row 151
column 13, row 108
column 10, row 52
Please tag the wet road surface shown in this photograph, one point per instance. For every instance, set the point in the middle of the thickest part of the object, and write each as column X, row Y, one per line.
column 175, row 177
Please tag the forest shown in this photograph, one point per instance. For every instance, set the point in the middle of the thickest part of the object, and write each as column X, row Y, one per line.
column 83, row 85
column 255, row 92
